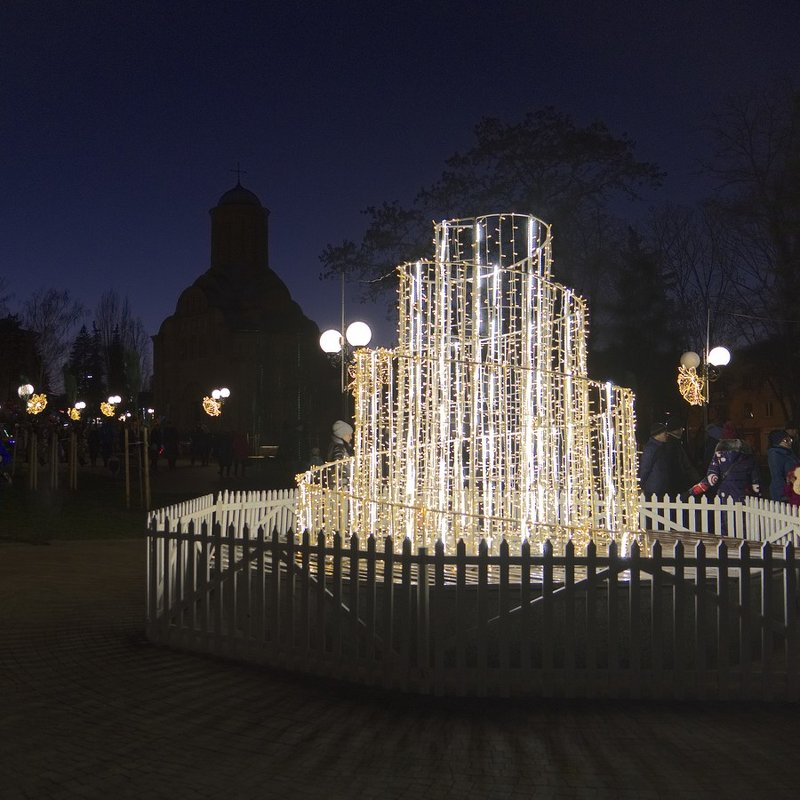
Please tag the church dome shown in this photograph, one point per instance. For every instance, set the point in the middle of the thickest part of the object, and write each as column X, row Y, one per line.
column 239, row 196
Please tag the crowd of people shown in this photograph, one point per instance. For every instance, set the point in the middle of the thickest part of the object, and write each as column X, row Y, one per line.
column 732, row 471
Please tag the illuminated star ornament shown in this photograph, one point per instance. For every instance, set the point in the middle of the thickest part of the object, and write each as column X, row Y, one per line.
column 482, row 424
column 36, row 403
column 691, row 386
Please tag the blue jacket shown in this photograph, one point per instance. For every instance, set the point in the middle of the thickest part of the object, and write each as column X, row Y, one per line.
column 733, row 470
column 781, row 462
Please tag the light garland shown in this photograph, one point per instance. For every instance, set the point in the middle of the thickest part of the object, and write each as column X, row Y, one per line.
column 482, row 423
column 691, row 386
column 212, row 407
column 36, row 403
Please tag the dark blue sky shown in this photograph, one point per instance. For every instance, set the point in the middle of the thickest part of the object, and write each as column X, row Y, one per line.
column 122, row 122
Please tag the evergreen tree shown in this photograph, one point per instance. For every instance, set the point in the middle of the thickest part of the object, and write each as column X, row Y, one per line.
column 84, row 371
column 641, row 335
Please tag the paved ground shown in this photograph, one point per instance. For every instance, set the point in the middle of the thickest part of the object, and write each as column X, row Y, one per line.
column 89, row 709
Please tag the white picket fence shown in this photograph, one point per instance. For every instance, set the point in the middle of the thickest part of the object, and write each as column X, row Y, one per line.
column 754, row 519
column 720, row 621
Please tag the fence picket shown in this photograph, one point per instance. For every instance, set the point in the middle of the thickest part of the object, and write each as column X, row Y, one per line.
column 679, row 625
column 547, row 617
column 745, row 641
column 723, row 620
column 634, row 623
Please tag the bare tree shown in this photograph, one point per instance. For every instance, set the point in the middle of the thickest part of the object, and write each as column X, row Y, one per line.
column 699, row 273
column 113, row 315
column 53, row 315
column 543, row 164
column 757, row 167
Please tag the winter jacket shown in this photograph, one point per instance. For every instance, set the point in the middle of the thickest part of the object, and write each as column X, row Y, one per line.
column 781, row 462
column 733, row 471
column 665, row 468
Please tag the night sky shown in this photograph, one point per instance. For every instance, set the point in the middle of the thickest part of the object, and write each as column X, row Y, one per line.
column 123, row 122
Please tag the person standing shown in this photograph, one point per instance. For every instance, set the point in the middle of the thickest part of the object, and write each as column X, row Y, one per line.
column 341, row 441
column 733, row 472
column 781, row 461
column 665, row 468
column 241, row 450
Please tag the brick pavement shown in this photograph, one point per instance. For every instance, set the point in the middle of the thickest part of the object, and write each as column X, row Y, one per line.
column 88, row 709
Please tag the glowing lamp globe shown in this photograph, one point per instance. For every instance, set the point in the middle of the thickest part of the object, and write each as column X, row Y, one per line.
column 719, row 357
column 224, row 393
column 26, row 390
column 690, row 360
column 216, row 394
column 358, row 334
column 331, row 341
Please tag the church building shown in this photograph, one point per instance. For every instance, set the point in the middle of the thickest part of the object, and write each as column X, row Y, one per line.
column 237, row 327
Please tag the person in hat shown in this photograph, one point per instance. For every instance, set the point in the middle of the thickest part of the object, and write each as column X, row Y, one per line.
column 781, row 461
column 341, row 446
column 665, row 468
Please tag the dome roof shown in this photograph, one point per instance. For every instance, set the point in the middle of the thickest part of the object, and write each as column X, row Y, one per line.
column 239, row 196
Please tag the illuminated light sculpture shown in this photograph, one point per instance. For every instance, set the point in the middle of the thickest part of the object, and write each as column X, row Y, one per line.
column 483, row 424
column 36, row 403
column 73, row 414
column 212, row 407
column 107, row 409
column 691, row 385
column 695, row 388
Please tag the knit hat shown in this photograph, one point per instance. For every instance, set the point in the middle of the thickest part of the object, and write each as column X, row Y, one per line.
column 341, row 430
column 777, row 436
column 656, row 428
column 673, row 424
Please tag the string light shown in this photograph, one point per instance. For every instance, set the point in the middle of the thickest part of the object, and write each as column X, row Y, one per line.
column 483, row 423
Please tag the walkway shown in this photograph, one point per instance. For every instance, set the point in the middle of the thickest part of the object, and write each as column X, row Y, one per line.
column 88, row 709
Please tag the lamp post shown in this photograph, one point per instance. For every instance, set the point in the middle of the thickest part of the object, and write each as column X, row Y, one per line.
column 357, row 334
column 212, row 405
column 332, row 342
column 696, row 388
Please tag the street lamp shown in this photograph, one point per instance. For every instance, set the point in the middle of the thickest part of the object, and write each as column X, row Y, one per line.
column 696, row 388
column 34, row 403
column 108, row 408
column 213, row 405
column 357, row 334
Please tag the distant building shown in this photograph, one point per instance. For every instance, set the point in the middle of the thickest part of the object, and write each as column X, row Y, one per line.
column 237, row 326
